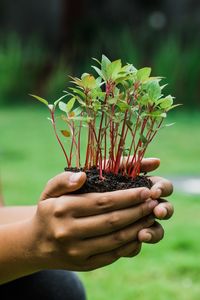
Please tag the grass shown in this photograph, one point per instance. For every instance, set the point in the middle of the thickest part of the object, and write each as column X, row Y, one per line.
column 168, row 270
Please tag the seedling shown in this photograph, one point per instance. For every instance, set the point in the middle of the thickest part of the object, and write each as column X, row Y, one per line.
column 121, row 108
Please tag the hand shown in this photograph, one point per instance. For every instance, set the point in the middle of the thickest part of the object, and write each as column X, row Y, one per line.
column 164, row 210
column 88, row 231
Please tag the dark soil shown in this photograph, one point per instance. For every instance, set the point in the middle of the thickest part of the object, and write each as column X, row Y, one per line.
column 111, row 182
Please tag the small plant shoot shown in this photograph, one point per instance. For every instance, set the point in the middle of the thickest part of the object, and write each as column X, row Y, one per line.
column 120, row 108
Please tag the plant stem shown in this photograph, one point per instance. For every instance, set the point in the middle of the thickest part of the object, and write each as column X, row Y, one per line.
column 57, row 137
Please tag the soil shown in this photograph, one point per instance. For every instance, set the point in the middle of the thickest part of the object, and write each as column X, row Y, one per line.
column 111, row 182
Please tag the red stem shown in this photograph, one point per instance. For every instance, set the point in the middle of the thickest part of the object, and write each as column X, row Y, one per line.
column 58, row 139
column 121, row 144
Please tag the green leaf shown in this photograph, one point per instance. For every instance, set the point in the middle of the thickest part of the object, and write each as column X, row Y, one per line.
column 143, row 139
column 144, row 100
column 163, row 115
column 169, row 125
column 88, row 81
column 44, row 101
column 154, row 90
column 99, row 72
column 112, row 101
column 143, row 74
column 129, row 69
column 96, row 105
column 114, row 68
column 105, row 62
column 79, row 92
column 77, row 111
column 157, row 114
column 57, row 101
column 67, row 107
column 76, row 80
column 166, row 102
column 173, row 106
column 97, row 93
column 129, row 125
column 70, row 104
column 80, row 101
column 62, row 106
column 123, row 106
column 96, row 60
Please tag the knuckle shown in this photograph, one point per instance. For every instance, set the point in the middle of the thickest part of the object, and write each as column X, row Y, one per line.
column 58, row 209
column 104, row 202
column 143, row 209
column 73, row 252
column 61, row 234
column 119, row 237
column 113, row 220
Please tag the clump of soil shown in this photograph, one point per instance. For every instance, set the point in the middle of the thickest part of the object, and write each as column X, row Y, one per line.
column 111, row 182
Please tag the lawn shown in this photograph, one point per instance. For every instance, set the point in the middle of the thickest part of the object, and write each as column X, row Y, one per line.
column 29, row 156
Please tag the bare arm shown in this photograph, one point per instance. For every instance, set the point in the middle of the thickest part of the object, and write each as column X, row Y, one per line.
column 12, row 214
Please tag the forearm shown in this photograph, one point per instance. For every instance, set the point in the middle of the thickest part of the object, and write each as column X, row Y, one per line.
column 17, row 257
column 12, row 214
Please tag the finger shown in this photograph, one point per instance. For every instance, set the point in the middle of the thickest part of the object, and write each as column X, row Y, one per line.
column 63, row 183
column 110, row 222
column 98, row 203
column 161, row 187
column 152, row 234
column 164, row 210
column 116, row 239
column 130, row 250
column 101, row 260
column 147, row 164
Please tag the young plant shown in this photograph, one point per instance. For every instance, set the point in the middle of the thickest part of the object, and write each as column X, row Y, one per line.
column 121, row 108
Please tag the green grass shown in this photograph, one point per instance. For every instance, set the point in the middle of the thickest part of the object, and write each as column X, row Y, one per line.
column 169, row 270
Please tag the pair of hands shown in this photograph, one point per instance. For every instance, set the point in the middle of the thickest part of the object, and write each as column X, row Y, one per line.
column 87, row 231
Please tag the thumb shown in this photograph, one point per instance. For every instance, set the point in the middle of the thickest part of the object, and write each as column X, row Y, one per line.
column 62, row 184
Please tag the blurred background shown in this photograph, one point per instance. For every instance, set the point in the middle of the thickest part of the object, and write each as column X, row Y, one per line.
column 41, row 43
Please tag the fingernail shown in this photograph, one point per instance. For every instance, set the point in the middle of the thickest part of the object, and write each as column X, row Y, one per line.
column 145, row 194
column 147, row 237
column 164, row 212
column 75, row 177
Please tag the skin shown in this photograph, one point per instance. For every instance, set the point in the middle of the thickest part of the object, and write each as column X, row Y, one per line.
column 81, row 232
